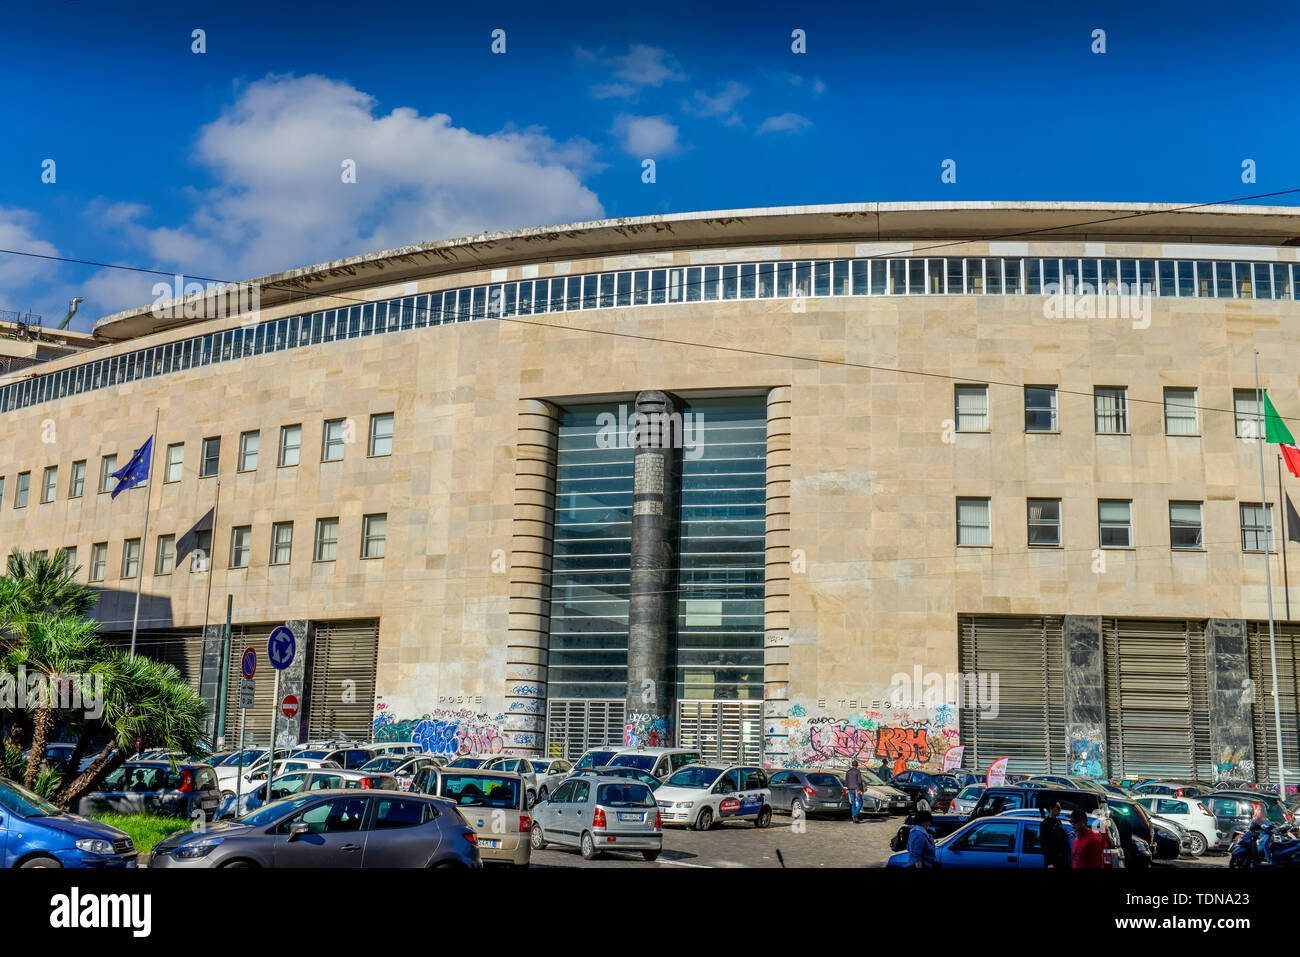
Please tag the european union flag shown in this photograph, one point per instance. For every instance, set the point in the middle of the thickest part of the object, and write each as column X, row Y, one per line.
column 135, row 471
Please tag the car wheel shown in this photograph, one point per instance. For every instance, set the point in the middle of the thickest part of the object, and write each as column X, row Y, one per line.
column 1199, row 844
column 650, row 855
column 532, row 797
column 588, row 847
column 923, row 805
column 764, row 817
column 240, row 863
column 41, row 861
column 227, row 795
column 797, row 808
column 705, row 820
column 537, row 840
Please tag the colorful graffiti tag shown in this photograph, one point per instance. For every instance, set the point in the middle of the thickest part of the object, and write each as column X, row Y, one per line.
column 1233, row 765
column 864, row 736
column 444, row 732
column 1087, row 753
column 645, row 729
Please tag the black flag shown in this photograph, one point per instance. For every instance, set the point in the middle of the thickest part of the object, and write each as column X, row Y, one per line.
column 190, row 540
column 1292, row 521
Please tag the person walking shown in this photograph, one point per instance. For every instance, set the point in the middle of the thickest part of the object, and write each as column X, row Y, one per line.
column 920, row 843
column 853, row 784
column 1053, row 839
column 900, row 765
column 1089, row 845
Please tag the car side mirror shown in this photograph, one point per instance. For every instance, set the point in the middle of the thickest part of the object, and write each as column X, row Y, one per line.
column 296, row 829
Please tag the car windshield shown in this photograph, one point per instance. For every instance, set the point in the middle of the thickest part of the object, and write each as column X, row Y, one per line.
column 595, row 759
column 384, row 764
column 694, row 778
column 870, row 777
column 480, row 790
column 312, row 755
column 824, row 781
column 466, row 762
column 274, row 812
column 971, row 792
column 18, row 800
column 642, row 762
column 624, row 795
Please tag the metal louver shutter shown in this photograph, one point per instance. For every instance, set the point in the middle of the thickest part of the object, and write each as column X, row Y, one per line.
column 1287, row 642
column 1028, row 656
column 256, row 722
column 181, row 649
column 1149, row 697
column 577, row 725
column 341, row 699
column 721, row 730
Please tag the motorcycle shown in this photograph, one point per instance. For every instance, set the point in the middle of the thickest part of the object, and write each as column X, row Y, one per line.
column 1260, row 847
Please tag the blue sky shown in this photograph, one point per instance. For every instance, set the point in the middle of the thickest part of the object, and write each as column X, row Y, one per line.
column 227, row 164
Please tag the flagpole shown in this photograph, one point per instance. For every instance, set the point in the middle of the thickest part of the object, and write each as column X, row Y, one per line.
column 1281, row 507
column 1268, row 581
column 144, row 540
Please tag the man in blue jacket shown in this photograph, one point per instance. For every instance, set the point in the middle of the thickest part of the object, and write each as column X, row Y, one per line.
column 920, row 845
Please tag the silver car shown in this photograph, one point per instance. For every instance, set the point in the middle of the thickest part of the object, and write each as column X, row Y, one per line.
column 600, row 814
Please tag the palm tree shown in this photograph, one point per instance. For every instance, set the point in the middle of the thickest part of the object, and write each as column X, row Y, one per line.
column 36, row 583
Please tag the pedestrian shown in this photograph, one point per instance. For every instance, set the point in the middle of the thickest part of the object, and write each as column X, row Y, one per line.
column 882, row 771
column 900, row 765
column 1053, row 839
column 1089, row 845
column 920, row 844
column 853, row 784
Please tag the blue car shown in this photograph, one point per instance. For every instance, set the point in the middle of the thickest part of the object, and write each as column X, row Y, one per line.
column 35, row 833
column 1009, row 840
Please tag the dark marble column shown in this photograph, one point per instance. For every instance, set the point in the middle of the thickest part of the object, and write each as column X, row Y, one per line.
column 293, row 680
column 652, row 606
column 1232, row 698
column 214, row 639
column 1085, row 696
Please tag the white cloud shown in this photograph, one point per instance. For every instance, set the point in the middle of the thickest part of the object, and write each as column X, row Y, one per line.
column 721, row 105
column 646, row 136
column 19, row 273
column 785, row 123
column 279, row 201
column 642, row 66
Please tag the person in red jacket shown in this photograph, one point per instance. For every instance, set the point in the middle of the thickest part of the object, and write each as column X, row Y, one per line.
column 1089, row 845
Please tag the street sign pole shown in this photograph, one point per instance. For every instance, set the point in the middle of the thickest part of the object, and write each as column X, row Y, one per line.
column 270, row 765
column 225, row 674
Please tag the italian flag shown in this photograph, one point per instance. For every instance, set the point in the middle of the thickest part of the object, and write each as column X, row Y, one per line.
column 1275, row 430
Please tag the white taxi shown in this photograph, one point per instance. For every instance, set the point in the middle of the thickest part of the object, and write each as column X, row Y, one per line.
column 701, row 795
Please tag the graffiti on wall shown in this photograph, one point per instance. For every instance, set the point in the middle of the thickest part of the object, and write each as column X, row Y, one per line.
column 919, row 737
column 444, row 732
column 1233, row 765
column 645, row 729
column 1087, row 753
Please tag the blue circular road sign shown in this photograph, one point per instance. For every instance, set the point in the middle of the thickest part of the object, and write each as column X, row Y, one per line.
column 249, row 663
column 280, row 648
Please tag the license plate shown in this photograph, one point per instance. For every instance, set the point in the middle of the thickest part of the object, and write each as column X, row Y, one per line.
column 830, row 803
column 630, row 817
column 490, row 843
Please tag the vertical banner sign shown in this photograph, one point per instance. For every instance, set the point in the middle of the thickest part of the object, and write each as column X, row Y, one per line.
column 998, row 772
column 952, row 757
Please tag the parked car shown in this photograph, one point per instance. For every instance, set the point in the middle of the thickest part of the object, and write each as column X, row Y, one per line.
column 35, row 833
column 927, row 791
column 632, row 774
column 297, row 782
column 1068, row 781
column 257, row 773
column 997, row 800
column 660, row 762
column 1235, row 811
column 1191, row 813
column 1169, row 789
column 390, row 747
column 597, row 814
column 471, row 761
column 550, row 773
column 595, row 757
column 1169, row 839
column 1110, row 787
column 1010, row 840
column 1100, row 820
column 700, row 795
column 331, row 829
column 816, row 792
column 155, row 787
column 494, row 802
column 526, row 768
column 1135, row 831
column 966, row 778
column 401, row 766
column 966, row 800
column 896, row 801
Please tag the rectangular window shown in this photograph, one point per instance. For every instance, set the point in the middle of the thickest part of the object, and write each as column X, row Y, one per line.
column 1111, row 405
column 77, row 484
column 50, row 484
column 107, row 466
column 281, row 543
column 2, row 490
column 131, row 558
column 1185, row 525
column 290, row 444
column 1115, row 524
column 249, row 443
column 211, row 462
column 70, row 553
column 1040, row 408
column 20, row 490
column 1245, row 404
column 972, row 407
column 241, row 537
column 973, row 521
column 1044, row 521
column 381, row 434
column 332, row 441
column 174, row 468
column 1256, row 528
column 166, row 559
column 1180, row 412
column 98, row 561
column 374, row 536
column 327, row 539
column 201, row 557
